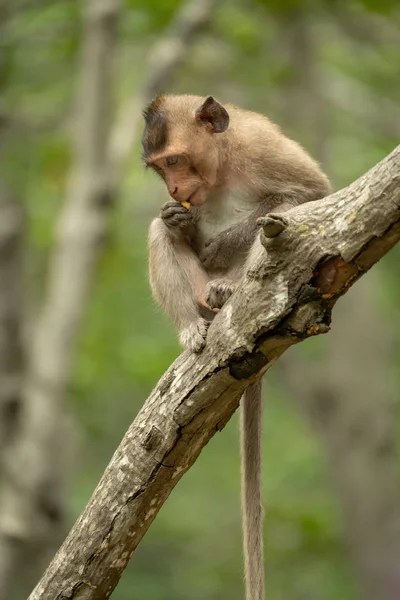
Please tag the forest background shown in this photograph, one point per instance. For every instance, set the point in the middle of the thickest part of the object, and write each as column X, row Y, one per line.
column 328, row 73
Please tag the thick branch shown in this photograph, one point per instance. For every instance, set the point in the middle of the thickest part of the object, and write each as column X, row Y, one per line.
column 288, row 297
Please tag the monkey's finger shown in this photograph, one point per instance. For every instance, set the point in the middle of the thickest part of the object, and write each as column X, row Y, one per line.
column 177, row 217
column 193, row 338
column 175, row 210
column 204, row 303
column 204, row 257
column 171, row 210
column 170, row 204
column 207, row 262
column 177, row 221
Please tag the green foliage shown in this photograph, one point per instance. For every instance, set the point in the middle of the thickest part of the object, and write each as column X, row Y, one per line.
column 384, row 7
column 151, row 15
column 240, row 28
column 193, row 550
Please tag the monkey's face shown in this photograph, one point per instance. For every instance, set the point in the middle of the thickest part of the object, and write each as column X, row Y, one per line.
column 179, row 143
column 184, row 181
column 189, row 175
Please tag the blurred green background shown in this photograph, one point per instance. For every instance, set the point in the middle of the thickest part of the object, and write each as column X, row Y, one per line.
column 328, row 73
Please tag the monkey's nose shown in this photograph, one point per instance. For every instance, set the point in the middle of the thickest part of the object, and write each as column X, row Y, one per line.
column 173, row 192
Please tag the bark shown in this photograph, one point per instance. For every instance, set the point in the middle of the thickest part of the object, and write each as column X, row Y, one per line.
column 285, row 298
column 347, row 397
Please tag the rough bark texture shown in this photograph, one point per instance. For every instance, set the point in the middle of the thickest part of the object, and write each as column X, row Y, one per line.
column 288, row 297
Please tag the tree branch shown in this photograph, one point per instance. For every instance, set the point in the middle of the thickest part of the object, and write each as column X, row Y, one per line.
column 284, row 299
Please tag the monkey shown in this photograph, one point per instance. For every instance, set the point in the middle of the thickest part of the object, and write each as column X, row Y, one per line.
column 225, row 168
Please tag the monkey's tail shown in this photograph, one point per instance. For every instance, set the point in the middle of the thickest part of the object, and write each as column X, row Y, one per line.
column 252, row 512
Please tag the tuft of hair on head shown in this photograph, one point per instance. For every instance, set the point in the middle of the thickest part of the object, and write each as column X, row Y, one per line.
column 153, row 108
column 155, row 132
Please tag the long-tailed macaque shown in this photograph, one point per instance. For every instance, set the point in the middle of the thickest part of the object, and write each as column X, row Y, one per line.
column 224, row 167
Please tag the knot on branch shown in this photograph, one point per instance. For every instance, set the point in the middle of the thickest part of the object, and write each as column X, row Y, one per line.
column 272, row 224
column 309, row 319
column 152, row 439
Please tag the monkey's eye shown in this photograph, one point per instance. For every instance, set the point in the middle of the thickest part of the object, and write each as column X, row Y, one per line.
column 158, row 169
column 172, row 161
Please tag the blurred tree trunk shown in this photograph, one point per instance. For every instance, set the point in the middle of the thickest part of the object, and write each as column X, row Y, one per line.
column 303, row 111
column 32, row 511
column 167, row 54
column 348, row 399
column 11, row 233
column 348, row 396
column 11, row 318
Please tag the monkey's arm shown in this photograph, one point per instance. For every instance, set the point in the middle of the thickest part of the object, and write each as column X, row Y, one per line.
column 177, row 278
column 218, row 252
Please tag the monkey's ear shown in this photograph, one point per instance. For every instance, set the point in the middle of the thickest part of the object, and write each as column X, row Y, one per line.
column 214, row 113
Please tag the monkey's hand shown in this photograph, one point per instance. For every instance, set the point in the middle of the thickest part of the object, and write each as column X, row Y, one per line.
column 217, row 253
column 219, row 291
column 176, row 216
column 193, row 337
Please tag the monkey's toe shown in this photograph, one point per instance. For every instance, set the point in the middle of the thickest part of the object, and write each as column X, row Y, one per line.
column 218, row 292
column 193, row 338
column 272, row 224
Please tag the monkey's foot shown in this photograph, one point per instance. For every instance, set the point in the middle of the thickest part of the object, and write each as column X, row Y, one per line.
column 272, row 224
column 193, row 338
column 218, row 292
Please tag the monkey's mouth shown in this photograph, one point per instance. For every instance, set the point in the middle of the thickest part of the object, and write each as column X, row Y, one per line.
column 196, row 198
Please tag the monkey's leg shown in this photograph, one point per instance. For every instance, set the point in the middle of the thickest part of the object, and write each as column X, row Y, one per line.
column 218, row 292
column 252, row 512
column 178, row 283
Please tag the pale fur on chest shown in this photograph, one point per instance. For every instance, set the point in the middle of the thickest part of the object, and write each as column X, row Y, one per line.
column 220, row 212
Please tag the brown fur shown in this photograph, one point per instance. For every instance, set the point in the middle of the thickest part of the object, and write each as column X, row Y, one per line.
column 252, row 512
column 233, row 166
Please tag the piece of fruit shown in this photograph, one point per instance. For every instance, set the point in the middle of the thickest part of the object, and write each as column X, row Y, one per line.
column 185, row 204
